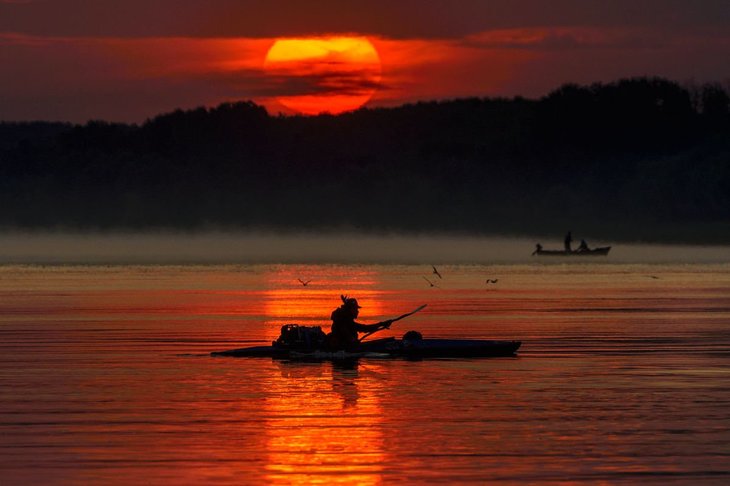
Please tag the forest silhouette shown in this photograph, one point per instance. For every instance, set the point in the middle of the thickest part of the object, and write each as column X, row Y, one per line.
column 642, row 158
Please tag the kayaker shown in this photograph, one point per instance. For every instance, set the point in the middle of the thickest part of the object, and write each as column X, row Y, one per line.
column 345, row 328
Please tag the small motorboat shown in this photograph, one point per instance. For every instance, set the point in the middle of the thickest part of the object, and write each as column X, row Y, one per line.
column 601, row 251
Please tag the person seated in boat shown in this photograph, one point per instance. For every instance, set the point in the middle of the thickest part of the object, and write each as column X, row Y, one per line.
column 345, row 328
column 583, row 246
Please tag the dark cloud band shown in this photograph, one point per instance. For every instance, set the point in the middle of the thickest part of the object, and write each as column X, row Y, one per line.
column 401, row 19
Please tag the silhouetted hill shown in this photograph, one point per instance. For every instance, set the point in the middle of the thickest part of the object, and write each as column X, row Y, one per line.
column 639, row 158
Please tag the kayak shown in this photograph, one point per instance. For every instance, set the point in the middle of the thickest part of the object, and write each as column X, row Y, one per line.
column 386, row 348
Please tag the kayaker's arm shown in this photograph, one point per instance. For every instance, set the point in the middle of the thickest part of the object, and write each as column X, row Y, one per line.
column 372, row 327
column 386, row 324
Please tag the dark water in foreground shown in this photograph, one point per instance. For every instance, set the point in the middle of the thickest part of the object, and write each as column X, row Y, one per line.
column 624, row 376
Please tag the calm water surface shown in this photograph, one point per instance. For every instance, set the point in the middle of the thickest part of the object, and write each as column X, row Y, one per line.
column 623, row 376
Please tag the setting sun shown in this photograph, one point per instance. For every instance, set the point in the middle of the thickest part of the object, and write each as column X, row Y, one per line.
column 323, row 74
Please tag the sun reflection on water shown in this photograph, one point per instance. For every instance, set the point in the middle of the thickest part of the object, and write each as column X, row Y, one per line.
column 325, row 427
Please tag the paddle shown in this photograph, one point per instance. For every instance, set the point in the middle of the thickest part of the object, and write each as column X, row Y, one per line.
column 393, row 320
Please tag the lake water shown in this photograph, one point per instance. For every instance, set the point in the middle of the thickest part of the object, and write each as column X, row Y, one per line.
column 623, row 376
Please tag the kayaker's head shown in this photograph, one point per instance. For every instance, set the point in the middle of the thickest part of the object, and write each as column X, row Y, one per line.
column 351, row 305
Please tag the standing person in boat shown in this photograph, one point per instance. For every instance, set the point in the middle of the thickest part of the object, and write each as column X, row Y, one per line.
column 568, row 241
column 345, row 328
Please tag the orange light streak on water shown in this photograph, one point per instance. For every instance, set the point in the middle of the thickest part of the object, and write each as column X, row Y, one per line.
column 309, row 408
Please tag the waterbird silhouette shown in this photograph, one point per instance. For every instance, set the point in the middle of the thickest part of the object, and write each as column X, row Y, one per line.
column 436, row 272
column 303, row 282
column 492, row 280
column 430, row 283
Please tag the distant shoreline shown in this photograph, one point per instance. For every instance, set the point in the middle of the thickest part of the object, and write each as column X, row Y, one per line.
column 640, row 159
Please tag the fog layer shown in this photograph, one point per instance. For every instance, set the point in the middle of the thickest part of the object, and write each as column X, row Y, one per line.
column 250, row 248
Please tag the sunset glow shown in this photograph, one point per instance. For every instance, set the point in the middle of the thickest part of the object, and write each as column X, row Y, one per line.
column 133, row 60
column 324, row 74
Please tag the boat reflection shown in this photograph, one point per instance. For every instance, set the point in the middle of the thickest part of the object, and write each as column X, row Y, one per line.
column 324, row 425
column 344, row 375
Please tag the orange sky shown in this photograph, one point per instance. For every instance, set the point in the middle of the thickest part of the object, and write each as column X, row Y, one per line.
column 99, row 63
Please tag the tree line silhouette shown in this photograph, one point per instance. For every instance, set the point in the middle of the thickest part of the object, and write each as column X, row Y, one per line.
column 637, row 158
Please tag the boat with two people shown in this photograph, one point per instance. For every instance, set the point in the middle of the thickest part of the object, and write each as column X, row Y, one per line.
column 602, row 251
column 582, row 250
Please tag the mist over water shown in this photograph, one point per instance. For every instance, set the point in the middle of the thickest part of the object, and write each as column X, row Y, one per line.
column 353, row 248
